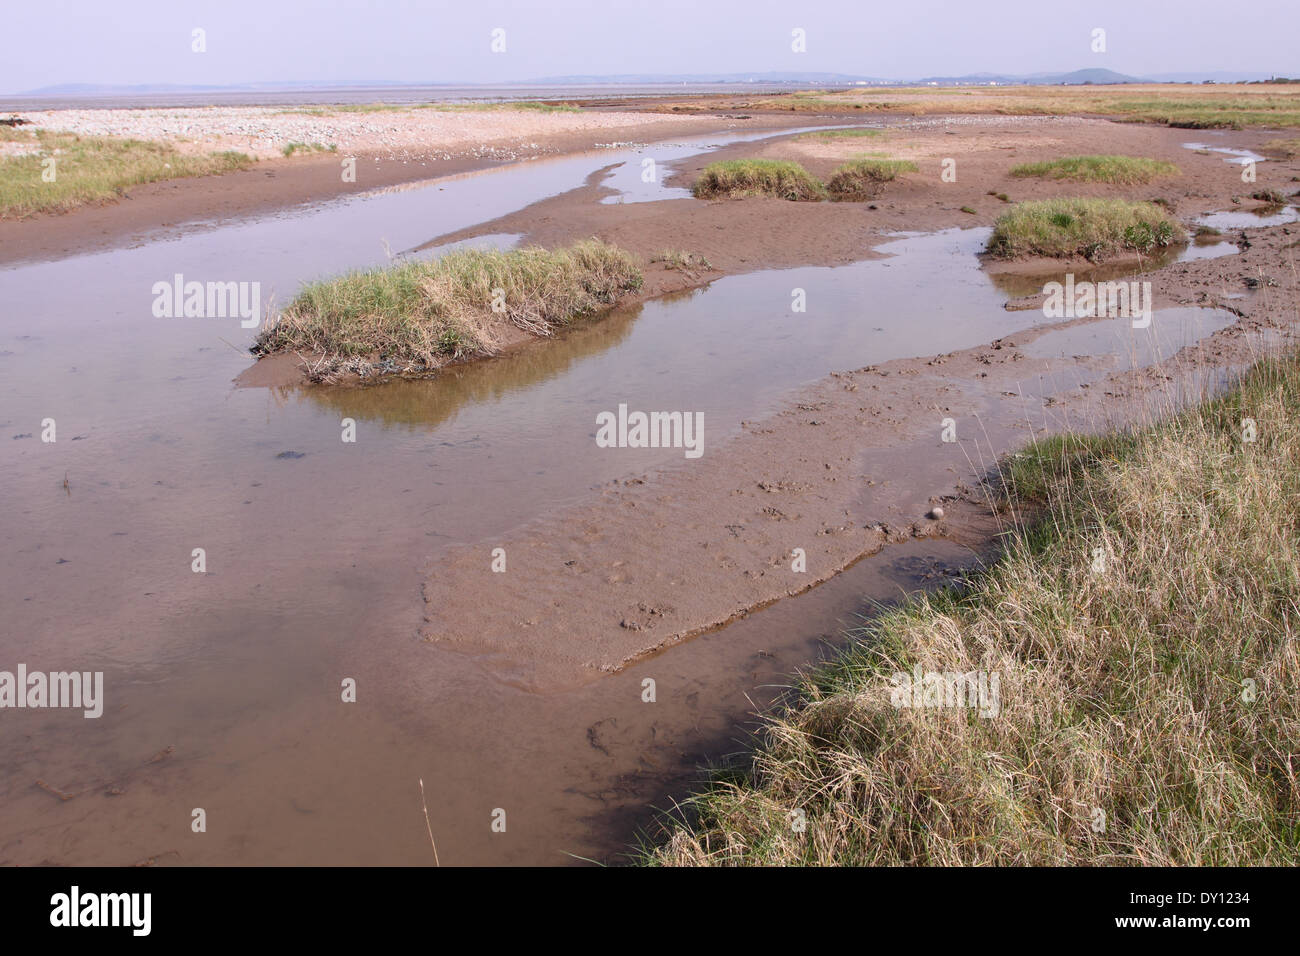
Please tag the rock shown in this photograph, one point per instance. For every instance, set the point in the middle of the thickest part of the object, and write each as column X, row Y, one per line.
column 936, row 513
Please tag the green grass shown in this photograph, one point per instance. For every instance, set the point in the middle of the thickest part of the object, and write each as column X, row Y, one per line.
column 1092, row 228
column 832, row 134
column 741, row 178
column 421, row 314
column 1125, row 170
column 1148, row 709
column 864, row 178
column 531, row 105
column 682, row 260
column 91, row 169
column 296, row 147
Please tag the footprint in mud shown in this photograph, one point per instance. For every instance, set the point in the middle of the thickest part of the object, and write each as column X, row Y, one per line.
column 644, row 617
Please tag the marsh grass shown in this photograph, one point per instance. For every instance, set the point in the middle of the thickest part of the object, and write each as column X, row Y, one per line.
column 1124, row 170
column 297, row 147
column 682, row 260
column 742, row 178
column 1148, row 709
column 1186, row 106
column 1092, row 228
column 421, row 314
column 864, row 178
column 90, row 169
column 833, row 134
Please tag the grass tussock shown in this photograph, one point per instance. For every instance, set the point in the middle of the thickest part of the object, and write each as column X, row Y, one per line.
column 742, row 178
column 1122, row 170
column 834, row 134
column 90, row 169
column 1092, row 228
column 861, row 179
column 682, row 260
column 297, row 147
column 422, row 314
column 1146, row 633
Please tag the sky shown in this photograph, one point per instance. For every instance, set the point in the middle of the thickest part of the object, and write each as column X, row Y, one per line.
column 127, row 42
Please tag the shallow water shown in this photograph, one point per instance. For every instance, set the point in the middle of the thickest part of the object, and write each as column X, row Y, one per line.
column 1248, row 218
column 1238, row 157
column 1126, row 347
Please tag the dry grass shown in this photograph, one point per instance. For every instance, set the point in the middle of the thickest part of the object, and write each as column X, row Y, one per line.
column 1183, row 105
column 422, row 314
column 91, row 169
column 1148, row 707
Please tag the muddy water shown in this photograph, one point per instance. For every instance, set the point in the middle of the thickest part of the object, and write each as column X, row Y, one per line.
column 223, row 688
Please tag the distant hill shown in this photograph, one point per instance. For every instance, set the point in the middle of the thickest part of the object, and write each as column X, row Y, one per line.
column 793, row 78
column 1078, row 77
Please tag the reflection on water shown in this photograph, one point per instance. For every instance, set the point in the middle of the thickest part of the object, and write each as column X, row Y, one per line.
column 1169, row 331
column 1023, row 284
column 428, row 402
column 1260, row 216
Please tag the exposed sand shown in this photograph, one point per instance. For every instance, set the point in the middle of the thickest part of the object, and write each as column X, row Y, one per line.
column 430, row 134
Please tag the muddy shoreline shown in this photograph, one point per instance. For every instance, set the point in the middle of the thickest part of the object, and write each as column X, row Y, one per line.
column 525, row 689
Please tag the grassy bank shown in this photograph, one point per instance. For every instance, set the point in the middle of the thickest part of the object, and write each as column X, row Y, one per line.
column 864, row 178
column 89, row 169
column 1126, row 170
column 741, row 178
column 422, row 313
column 1188, row 106
column 1145, row 633
column 1092, row 228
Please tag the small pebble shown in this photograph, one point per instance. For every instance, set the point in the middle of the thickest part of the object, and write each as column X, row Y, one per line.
column 936, row 514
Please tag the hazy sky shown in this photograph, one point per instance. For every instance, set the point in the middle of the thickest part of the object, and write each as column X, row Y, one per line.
column 149, row 41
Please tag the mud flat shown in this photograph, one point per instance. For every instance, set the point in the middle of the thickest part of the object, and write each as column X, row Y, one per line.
column 524, row 689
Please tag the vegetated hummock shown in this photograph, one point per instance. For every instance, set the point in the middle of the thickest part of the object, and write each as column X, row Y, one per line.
column 681, row 260
column 1145, row 629
column 1127, row 170
column 855, row 133
column 89, row 169
column 1187, row 106
column 422, row 314
column 864, row 178
column 1092, row 228
column 741, row 178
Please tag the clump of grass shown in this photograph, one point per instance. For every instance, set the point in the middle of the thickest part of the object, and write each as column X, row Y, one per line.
column 297, row 147
column 968, row 209
column 682, row 260
column 90, row 169
column 861, row 179
column 421, row 314
column 1271, row 196
column 1286, row 148
column 740, row 178
column 1148, row 713
column 856, row 133
column 1123, row 170
column 1092, row 228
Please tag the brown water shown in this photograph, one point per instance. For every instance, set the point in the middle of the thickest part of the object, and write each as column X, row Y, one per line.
column 223, row 689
